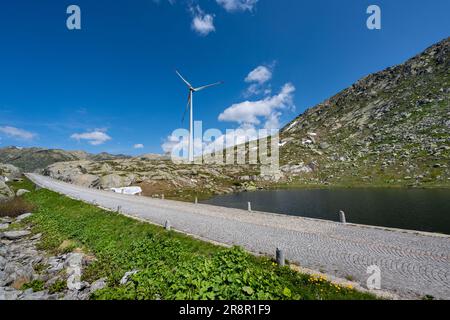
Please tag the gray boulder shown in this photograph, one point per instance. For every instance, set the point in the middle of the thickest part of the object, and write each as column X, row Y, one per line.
column 74, row 263
column 86, row 180
column 10, row 171
column 127, row 276
column 97, row 285
column 112, row 181
column 14, row 235
column 7, row 293
column 5, row 193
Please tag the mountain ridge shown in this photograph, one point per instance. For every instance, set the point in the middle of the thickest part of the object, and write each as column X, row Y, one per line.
column 389, row 128
column 35, row 158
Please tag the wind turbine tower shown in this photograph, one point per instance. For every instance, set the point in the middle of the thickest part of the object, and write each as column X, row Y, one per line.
column 190, row 106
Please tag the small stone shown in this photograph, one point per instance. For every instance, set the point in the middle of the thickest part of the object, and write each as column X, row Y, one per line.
column 36, row 236
column 127, row 275
column 8, row 294
column 14, row 235
column 2, row 265
column 23, row 216
column 4, row 226
column 74, row 259
column 98, row 285
column 74, row 264
column 74, row 280
column 40, row 295
column 6, row 220
column 55, row 264
column 21, row 192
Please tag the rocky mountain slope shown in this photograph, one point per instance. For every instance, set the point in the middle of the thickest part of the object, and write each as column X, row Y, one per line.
column 389, row 128
column 157, row 177
column 31, row 159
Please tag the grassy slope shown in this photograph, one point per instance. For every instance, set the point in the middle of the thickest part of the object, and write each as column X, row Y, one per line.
column 172, row 266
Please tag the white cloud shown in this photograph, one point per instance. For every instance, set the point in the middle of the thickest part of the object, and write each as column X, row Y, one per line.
column 17, row 133
column 237, row 5
column 251, row 112
column 244, row 133
column 260, row 75
column 94, row 138
column 202, row 22
column 170, row 143
column 138, row 146
column 258, row 79
column 182, row 143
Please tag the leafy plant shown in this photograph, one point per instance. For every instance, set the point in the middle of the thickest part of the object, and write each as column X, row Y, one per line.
column 57, row 286
column 36, row 285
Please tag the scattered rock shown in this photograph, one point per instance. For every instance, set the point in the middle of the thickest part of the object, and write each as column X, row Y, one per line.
column 6, row 220
column 127, row 275
column 9, row 293
column 74, row 265
column 23, row 216
column 14, row 235
column 4, row 226
column 98, row 285
column 114, row 181
column 21, row 192
column 19, row 261
column 9, row 171
column 5, row 193
column 40, row 295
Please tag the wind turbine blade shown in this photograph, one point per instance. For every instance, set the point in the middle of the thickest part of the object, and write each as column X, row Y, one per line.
column 187, row 108
column 207, row 86
column 184, row 80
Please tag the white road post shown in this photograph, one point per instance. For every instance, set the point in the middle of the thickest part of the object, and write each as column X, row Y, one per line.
column 342, row 217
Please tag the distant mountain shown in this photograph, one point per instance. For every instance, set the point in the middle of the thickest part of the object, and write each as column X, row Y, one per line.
column 106, row 156
column 154, row 157
column 31, row 159
column 389, row 128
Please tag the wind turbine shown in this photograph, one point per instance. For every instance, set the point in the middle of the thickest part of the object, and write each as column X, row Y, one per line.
column 190, row 106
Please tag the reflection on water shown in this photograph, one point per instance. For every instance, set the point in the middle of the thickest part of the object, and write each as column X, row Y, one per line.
column 415, row 209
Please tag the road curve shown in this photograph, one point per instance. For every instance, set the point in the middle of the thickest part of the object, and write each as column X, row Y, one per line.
column 412, row 264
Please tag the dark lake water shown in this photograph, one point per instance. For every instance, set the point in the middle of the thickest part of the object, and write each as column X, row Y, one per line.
column 414, row 209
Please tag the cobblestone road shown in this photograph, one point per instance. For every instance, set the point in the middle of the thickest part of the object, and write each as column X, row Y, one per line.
column 412, row 264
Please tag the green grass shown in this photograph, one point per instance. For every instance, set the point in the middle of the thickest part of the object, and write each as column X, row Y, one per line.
column 36, row 285
column 58, row 286
column 171, row 265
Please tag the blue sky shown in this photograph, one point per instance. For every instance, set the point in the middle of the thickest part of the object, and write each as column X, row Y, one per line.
column 111, row 85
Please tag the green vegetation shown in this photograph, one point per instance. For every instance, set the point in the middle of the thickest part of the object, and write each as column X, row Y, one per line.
column 36, row 285
column 57, row 287
column 170, row 265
